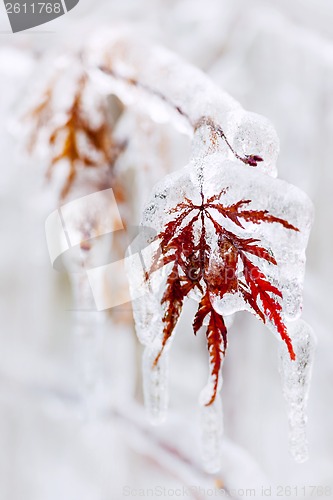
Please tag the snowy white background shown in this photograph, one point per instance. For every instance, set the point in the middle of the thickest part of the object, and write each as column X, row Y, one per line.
column 276, row 58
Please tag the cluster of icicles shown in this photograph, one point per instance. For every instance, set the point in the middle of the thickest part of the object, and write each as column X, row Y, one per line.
column 162, row 85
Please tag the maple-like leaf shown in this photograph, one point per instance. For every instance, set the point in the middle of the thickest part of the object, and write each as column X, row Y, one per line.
column 76, row 140
column 184, row 242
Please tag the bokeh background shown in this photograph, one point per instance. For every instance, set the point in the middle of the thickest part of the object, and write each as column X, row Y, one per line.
column 59, row 440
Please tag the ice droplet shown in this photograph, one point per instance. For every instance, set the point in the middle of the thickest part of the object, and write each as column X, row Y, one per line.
column 296, row 376
column 254, row 134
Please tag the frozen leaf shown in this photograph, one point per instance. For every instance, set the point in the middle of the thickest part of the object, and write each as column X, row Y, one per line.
column 223, row 230
column 76, row 130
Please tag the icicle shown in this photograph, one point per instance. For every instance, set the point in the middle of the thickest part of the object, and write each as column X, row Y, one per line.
column 211, row 434
column 296, row 376
column 155, row 379
column 147, row 313
column 88, row 334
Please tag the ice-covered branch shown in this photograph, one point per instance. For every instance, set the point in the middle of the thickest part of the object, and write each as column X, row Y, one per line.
column 163, row 85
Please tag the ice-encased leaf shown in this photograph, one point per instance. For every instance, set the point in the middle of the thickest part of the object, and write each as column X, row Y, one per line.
column 214, row 223
column 275, row 196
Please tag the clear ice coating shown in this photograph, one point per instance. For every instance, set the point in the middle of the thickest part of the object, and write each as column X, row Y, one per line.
column 157, row 82
column 254, row 134
column 280, row 199
column 155, row 380
column 88, row 331
column 296, row 376
column 211, row 433
column 239, row 182
column 211, row 417
column 87, row 224
column 147, row 309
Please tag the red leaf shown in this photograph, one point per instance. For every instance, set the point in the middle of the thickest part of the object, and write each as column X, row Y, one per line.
column 216, row 338
column 261, row 288
column 217, row 343
column 175, row 292
column 196, row 266
column 100, row 147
